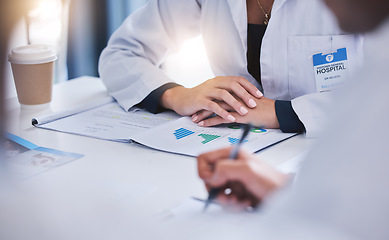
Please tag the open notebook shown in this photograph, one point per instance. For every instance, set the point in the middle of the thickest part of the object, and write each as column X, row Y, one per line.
column 165, row 131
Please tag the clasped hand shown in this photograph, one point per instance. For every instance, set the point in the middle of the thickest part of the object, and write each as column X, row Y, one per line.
column 232, row 99
column 236, row 92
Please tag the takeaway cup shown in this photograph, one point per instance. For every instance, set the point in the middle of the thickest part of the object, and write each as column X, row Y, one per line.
column 33, row 69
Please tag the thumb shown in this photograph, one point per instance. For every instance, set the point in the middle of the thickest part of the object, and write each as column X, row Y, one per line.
column 229, row 171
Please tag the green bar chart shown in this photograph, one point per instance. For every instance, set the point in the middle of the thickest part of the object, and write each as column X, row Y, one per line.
column 208, row 137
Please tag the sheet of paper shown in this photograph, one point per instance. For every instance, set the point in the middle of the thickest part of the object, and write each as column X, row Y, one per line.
column 189, row 219
column 185, row 137
column 26, row 159
column 192, row 208
column 109, row 122
column 69, row 112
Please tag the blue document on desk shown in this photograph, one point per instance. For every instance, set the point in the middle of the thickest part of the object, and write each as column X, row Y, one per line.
column 25, row 159
column 165, row 131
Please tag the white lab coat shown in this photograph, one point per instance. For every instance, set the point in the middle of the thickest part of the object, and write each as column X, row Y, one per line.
column 341, row 191
column 342, row 187
column 297, row 30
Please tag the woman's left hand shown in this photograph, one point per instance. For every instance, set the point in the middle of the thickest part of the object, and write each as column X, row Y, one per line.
column 263, row 115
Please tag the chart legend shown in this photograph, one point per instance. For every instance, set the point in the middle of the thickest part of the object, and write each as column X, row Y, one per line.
column 182, row 132
column 258, row 130
column 234, row 141
column 235, row 126
column 208, row 138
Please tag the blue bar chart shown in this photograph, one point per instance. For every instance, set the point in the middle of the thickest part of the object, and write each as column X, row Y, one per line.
column 234, row 141
column 182, row 133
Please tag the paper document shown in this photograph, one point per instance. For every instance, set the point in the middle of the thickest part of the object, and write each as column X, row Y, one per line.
column 107, row 121
column 185, row 137
column 189, row 221
column 193, row 207
column 165, row 131
column 70, row 112
column 25, row 159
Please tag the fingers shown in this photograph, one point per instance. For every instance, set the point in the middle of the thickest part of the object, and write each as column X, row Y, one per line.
column 201, row 115
column 244, row 155
column 249, row 87
column 199, row 118
column 236, row 197
column 218, row 120
column 242, row 93
column 212, row 122
column 243, row 195
column 226, row 171
column 206, row 162
column 224, row 95
column 218, row 172
column 214, row 107
column 242, row 88
column 238, row 190
column 225, row 87
column 231, row 203
column 221, row 95
column 236, row 92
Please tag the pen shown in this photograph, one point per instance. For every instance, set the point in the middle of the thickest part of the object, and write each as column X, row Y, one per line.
column 233, row 155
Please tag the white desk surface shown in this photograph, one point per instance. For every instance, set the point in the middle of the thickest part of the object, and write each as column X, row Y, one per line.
column 174, row 177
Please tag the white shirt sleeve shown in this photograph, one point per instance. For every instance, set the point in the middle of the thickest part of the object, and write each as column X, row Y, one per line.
column 130, row 65
column 312, row 110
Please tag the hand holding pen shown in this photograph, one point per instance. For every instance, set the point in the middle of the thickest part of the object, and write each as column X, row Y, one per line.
column 214, row 192
column 247, row 179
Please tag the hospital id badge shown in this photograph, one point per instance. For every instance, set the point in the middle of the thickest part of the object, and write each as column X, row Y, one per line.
column 331, row 70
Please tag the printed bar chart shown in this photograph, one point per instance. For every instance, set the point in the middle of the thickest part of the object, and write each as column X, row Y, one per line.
column 182, row 133
column 234, row 141
column 182, row 136
column 208, row 138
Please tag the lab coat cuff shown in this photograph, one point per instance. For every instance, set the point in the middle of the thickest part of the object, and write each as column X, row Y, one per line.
column 287, row 117
column 152, row 102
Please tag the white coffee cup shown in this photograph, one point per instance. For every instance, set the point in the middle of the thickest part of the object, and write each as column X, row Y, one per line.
column 33, row 70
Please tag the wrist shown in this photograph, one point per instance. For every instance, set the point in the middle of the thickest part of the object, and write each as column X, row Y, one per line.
column 264, row 178
column 276, row 123
column 168, row 98
column 273, row 120
column 266, row 115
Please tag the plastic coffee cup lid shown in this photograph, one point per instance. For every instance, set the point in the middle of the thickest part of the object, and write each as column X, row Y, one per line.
column 32, row 54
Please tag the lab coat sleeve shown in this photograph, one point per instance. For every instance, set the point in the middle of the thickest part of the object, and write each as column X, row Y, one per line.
column 130, row 64
column 312, row 110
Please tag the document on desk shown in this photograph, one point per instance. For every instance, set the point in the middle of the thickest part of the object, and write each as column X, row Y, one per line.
column 185, row 137
column 189, row 219
column 165, row 131
column 25, row 159
column 104, row 120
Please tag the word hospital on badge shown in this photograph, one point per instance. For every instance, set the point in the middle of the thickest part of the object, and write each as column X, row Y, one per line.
column 330, row 70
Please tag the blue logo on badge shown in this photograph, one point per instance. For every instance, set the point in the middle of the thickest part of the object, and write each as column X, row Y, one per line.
column 330, row 58
column 339, row 55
